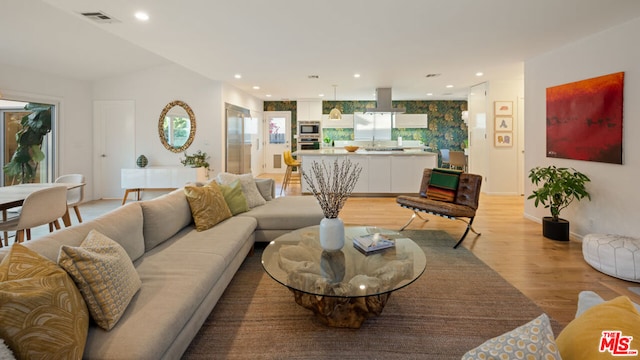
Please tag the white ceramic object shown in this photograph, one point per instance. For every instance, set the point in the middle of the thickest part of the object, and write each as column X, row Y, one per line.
column 331, row 234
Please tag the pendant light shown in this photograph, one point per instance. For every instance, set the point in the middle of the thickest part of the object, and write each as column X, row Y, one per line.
column 335, row 113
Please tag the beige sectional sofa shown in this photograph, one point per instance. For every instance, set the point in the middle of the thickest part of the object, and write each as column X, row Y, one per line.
column 183, row 272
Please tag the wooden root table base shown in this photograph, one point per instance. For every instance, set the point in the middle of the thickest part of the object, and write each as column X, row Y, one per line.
column 342, row 312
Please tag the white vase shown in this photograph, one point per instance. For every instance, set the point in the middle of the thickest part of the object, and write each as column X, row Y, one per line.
column 331, row 234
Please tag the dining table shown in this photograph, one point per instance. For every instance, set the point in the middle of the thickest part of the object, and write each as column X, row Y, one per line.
column 13, row 196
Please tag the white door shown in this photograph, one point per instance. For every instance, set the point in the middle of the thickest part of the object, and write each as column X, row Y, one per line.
column 114, row 139
column 277, row 139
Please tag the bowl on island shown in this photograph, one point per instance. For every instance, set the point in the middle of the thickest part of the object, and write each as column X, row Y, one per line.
column 351, row 148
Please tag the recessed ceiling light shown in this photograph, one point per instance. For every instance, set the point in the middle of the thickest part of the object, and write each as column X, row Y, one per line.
column 321, row 95
column 356, row 75
column 449, row 86
column 237, row 76
column 268, row 95
column 142, row 16
column 256, row 87
column 479, row 73
column 429, row 94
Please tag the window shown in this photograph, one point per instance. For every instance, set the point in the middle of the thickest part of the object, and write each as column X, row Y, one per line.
column 372, row 126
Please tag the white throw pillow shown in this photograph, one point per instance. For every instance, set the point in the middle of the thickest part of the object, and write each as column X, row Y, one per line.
column 533, row 340
column 249, row 187
column 588, row 299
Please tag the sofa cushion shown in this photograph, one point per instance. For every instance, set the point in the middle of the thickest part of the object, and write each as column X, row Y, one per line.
column 207, row 205
column 123, row 225
column 234, row 197
column 189, row 264
column 533, row 340
column 583, row 337
column 164, row 216
column 42, row 311
column 287, row 213
column 104, row 274
column 249, row 187
column 267, row 188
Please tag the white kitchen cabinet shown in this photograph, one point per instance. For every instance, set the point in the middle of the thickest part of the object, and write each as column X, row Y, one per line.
column 309, row 110
column 379, row 174
column 403, row 121
column 406, row 172
column 345, row 123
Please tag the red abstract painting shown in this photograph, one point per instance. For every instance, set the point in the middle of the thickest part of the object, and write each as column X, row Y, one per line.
column 584, row 119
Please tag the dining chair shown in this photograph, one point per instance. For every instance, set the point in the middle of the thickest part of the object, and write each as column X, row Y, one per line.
column 74, row 196
column 457, row 160
column 41, row 207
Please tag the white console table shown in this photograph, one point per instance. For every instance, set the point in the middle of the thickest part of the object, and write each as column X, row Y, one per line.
column 158, row 177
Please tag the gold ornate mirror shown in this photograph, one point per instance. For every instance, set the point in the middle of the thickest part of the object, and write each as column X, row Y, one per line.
column 177, row 126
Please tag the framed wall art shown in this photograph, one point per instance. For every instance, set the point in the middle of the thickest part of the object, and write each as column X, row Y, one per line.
column 584, row 119
column 503, row 123
column 503, row 108
column 503, row 139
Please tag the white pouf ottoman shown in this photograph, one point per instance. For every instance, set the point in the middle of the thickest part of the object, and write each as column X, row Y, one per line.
column 615, row 255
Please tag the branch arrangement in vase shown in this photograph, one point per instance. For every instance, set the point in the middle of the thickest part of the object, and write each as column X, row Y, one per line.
column 331, row 186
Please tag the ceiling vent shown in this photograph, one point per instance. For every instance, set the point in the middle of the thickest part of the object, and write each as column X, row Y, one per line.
column 100, row 17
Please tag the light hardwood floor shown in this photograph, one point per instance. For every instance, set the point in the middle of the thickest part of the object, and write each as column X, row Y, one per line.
column 549, row 272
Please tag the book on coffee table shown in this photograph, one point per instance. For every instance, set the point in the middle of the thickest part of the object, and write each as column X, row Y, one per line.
column 372, row 243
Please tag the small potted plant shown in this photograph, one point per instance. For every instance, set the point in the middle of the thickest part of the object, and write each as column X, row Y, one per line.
column 557, row 188
column 198, row 159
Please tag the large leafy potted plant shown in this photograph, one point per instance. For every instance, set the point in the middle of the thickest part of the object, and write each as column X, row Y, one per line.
column 23, row 166
column 557, row 188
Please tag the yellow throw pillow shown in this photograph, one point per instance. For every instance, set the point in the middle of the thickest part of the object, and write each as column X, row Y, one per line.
column 43, row 313
column 207, row 204
column 104, row 274
column 604, row 331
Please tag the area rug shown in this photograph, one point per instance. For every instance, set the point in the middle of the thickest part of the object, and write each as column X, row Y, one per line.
column 457, row 304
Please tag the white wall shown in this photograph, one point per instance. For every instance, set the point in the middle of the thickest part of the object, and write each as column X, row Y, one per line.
column 502, row 167
column 154, row 88
column 615, row 197
column 74, row 127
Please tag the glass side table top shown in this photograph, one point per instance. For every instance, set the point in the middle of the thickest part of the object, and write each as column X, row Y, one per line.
column 297, row 261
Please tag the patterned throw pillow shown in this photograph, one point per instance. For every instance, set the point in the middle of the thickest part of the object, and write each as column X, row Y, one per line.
column 234, row 197
column 207, row 204
column 104, row 274
column 249, row 187
column 533, row 340
column 443, row 185
column 41, row 310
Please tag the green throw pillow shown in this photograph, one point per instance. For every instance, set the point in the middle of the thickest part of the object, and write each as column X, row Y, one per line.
column 234, row 197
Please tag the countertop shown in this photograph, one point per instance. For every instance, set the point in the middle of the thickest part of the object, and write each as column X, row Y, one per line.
column 341, row 151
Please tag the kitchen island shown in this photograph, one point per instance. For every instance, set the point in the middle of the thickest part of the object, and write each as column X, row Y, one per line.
column 385, row 172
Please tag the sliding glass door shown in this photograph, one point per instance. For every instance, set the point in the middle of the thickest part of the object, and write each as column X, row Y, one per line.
column 26, row 137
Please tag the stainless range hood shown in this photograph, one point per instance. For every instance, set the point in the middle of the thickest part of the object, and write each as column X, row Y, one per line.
column 383, row 102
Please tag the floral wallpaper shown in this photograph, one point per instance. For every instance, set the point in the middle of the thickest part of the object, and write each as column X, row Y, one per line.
column 446, row 128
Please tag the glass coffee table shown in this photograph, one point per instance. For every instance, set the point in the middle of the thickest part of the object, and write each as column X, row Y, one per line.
column 345, row 287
